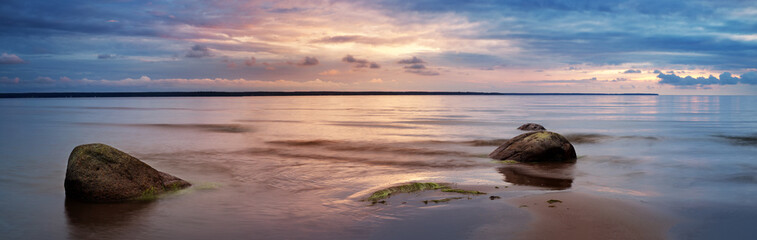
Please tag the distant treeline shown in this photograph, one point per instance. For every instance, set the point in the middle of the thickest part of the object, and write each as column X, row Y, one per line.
column 246, row 94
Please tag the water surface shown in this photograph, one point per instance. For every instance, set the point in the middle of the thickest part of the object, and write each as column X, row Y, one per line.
column 298, row 167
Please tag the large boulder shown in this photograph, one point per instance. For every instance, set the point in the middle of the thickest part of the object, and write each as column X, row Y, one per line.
column 531, row 127
column 100, row 173
column 541, row 146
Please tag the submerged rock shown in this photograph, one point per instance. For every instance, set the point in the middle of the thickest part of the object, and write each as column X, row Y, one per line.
column 531, row 127
column 100, row 173
column 541, row 146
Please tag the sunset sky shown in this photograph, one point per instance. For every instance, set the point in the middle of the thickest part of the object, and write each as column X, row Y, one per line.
column 666, row 47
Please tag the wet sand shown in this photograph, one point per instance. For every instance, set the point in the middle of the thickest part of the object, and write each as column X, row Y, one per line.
column 585, row 216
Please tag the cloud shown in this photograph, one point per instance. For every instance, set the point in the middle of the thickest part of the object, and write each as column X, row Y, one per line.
column 198, row 51
column 36, row 81
column 525, row 34
column 749, row 78
column 363, row 40
column 341, row 39
column 286, row 10
column 417, row 66
column 725, row 79
column 376, row 80
column 351, row 59
column 632, row 71
column 413, row 60
column 329, row 72
column 360, row 63
column 269, row 66
column 249, row 62
column 308, row 61
column 221, row 84
column 657, row 71
column 106, row 56
column 230, row 64
column 592, row 80
column 43, row 80
column 423, row 72
column 6, row 58
column 7, row 80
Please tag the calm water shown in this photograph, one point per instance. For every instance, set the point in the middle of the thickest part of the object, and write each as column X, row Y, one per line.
column 297, row 167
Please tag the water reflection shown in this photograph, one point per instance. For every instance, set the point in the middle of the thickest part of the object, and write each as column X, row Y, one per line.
column 556, row 176
column 89, row 220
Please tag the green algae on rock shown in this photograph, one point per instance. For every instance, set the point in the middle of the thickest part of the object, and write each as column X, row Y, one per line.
column 407, row 188
column 416, row 187
column 101, row 173
column 461, row 191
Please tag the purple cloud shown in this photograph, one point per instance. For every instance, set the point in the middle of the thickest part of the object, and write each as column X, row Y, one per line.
column 308, row 61
column 414, row 60
column 198, row 51
column 360, row 63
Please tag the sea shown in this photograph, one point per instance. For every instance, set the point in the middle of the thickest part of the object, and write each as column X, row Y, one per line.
column 302, row 167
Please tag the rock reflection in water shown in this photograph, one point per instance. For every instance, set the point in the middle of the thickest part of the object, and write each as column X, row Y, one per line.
column 557, row 176
column 88, row 220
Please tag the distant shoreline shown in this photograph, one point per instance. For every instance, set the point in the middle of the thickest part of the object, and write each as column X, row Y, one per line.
column 262, row 93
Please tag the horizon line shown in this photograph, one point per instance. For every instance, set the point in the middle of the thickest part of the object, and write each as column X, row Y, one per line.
column 273, row 93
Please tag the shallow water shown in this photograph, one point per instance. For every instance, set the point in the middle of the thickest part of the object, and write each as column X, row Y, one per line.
column 297, row 167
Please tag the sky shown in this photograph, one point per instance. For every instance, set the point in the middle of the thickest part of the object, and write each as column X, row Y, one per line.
column 609, row 46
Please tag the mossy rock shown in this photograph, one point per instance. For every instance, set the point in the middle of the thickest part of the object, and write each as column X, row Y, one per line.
column 541, row 146
column 100, row 173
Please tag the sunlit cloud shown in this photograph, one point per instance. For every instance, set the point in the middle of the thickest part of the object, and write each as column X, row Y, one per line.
column 424, row 45
column 329, row 72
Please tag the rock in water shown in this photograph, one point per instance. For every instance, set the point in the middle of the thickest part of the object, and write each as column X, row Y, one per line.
column 531, row 127
column 100, row 173
column 541, row 146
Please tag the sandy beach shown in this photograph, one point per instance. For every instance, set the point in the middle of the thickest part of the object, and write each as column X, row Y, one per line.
column 584, row 216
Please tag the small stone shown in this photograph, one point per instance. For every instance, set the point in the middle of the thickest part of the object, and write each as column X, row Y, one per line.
column 531, row 127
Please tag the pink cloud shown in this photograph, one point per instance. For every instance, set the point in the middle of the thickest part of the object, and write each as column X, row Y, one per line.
column 6, row 58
